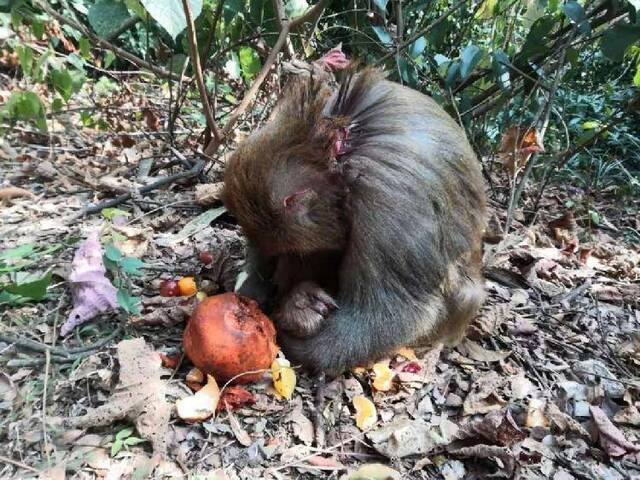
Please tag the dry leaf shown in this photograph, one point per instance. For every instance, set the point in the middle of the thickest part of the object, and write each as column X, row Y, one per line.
column 516, row 147
column 483, row 397
column 208, row 193
column 375, row 471
column 405, row 437
column 407, row 353
column 383, row 380
column 240, row 433
column 366, row 413
column 139, row 396
column 477, row 352
column 535, row 413
column 284, row 377
column 7, row 193
column 611, row 439
column 202, row 404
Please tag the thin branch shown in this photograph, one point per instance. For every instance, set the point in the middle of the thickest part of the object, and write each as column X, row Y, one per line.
column 126, row 25
column 104, row 43
column 310, row 15
column 424, row 31
column 197, row 71
column 197, row 168
column 543, row 123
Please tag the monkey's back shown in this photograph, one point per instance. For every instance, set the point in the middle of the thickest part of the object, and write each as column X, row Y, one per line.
column 412, row 173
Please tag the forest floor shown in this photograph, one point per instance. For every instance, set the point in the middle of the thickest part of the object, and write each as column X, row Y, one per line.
column 546, row 384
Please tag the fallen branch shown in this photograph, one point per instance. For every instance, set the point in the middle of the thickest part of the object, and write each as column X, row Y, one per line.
column 197, row 168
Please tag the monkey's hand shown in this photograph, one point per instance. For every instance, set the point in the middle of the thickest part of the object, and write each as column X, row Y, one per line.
column 304, row 309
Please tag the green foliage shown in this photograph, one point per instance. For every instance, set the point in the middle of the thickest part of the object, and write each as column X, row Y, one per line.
column 123, row 440
column 105, row 16
column 123, row 268
column 170, row 14
column 25, row 106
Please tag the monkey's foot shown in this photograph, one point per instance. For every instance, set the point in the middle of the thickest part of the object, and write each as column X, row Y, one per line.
column 304, row 310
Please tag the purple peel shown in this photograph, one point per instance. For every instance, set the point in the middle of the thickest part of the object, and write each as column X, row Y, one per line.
column 91, row 291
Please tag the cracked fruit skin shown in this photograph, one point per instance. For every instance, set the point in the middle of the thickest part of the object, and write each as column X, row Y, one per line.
column 228, row 335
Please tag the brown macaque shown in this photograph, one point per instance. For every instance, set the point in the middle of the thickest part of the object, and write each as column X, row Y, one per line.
column 364, row 208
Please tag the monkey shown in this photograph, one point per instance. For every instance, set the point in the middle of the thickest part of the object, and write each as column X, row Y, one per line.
column 363, row 205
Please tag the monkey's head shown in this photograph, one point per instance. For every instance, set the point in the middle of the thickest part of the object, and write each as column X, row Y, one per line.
column 284, row 200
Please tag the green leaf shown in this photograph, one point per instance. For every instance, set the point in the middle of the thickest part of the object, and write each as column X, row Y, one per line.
column 383, row 35
column 105, row 16
column 500, row 69
column 33, row 289
column 62, row 83
column 590, row 125
column 486, row 9
column 469, row 59
column 197, row 224
column 113, row 253
column 574, row 11
column 170, row 15
column 128, row 302
column 249, row 62
column 25, row 56
column 116, row 447
column 37, row 27
column 381, row 4
column 133, row 441
column 595, row 217
column 131, row 265
column 617, row 39
column 85, row 48
column 295, row 8
column 417, row 47
column 124, row 433
column 110, row 213
column 109, row 58
column 16, row 253
column 636, row 77
column 26, row 106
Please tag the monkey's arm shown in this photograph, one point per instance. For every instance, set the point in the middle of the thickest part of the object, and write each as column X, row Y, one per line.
column 258, row 278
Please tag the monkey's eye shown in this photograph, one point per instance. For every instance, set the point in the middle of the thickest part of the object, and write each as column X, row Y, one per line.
column 302, row 196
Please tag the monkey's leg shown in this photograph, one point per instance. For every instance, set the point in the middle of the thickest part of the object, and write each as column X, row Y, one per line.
column 258, row 283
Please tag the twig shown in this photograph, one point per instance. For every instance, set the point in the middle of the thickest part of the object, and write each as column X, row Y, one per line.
column 544, row 123
column 197, row 71
column 424, row 31
column 286, row 26
column 17, row 463
column 104, row 43
column 197, row 168
column 130, row 22
column 47, row 365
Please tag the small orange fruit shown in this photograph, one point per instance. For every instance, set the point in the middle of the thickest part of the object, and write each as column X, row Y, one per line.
column 187, row 286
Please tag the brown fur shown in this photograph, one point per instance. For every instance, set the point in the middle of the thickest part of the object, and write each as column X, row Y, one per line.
column 390, row 228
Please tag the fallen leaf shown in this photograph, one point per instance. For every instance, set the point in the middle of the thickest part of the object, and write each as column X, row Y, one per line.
column 484, row 396
column 319, row 461
column 383, row 380
column 503, row 455
column 7, row 193
column 407, row 353
column 208, row 193
column 139, row 396
column 477, row 352
column 611, row 439
column 284, row 378
column 240, row 433
column 302, row 426
column 497, row 427
column 366, row 413
column 202, row 404
column 195, row 375
column 535, row 413
column 375, row 471
column 91, row 290
column 405, row 437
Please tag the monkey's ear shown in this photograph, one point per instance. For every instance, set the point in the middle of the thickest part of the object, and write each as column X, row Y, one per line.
column 298, row 199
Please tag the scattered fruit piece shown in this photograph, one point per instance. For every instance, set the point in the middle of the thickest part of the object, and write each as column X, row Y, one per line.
column 202, row 404
column 383, row 380
column 195, row 375
column 411, row 367
column 205, row 257
column 235, row 397
column 366, row 414
column 407, row 353
column 229, row 335
column 284, row 377
column 201, row 296
column 187, row 286
column 169, row 288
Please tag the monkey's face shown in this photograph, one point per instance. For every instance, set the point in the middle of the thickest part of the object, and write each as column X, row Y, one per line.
column 285, row 208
